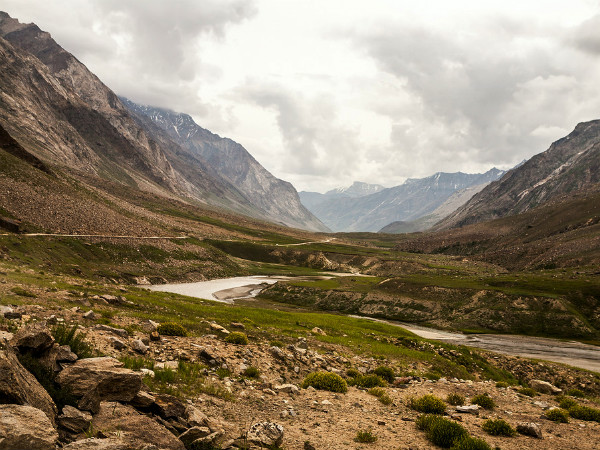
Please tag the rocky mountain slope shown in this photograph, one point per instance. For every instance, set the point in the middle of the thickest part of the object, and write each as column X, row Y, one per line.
column 277, row 198
column 409, row 201
column 62, row 113
column 570, row 164
column 357, row 189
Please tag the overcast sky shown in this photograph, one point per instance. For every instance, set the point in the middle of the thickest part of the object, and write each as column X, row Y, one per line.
column 326, row 92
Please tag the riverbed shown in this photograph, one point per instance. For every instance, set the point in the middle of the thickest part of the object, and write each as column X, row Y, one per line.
column 567, row 352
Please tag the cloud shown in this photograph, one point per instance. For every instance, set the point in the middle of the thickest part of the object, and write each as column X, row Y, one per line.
column 586, row 36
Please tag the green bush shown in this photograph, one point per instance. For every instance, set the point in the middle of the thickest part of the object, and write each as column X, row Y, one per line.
column 326, row 381
column 558, row 415
column 576, row 393
column 365, row 437
column 429, row 404
column 528, row 392
column 455, row 399
column 444, row 433
column 237, row 337
column 584, row 413
column 484, row 400
column 368, row 381
column 470, row 443
column 387, row 373
column 425, row 421
column 501, row 384
column 353, row 373
column 381, row 394
column 251, row 372
column 276, row 344
column 65, row 335
column 566, row 402
column 498, row 427
column 171, row 329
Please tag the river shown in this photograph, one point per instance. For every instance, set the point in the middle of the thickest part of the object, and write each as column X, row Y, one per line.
column 567, row 352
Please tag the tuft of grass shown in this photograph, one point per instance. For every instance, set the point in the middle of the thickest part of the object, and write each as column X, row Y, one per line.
column 502, row 384
column 171, row 329
column 470, row 443
column 326, row 381
column 455, row 399
column 368, row 381
column 23, row 292
column 136, row 363
column 528, row 392
column 365, row 437
column 381, row 395
column 498, row 427
column 387, row 373
column 65, row 335
column 237, row 337
column 429, row 404
column 251, row 372
column 558, row 415
column 278, row 344
column 484, row 400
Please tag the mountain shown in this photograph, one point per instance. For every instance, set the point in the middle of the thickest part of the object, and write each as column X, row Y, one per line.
column 571, row 164
column 456, row 200
column 231, row 161
column 357, row 189
column 63, row 114
column 409, row 201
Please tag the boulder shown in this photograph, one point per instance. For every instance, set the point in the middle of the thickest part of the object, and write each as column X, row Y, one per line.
column 20, row 387
column 168, row 406
column 142, row 400
column 149, row 326
column 96, row 379
column 99, row 444
column 117, row 343
column 530, row 429
column 237, row 325
column 318, row 331
column 117, row 331
column 215, row 327
column 91, row 315
column 26, row 427
column 56, row 355
column 195, row 417
column 265, row 434
column 544, row 387
column 287, row 388
column 74, row 420
column 132, row 427
column 207, row 442
column 468, row 409
column 138, row 346
column 34, row 338
column 193, row 434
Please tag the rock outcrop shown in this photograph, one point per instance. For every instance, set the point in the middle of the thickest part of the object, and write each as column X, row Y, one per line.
column 25, row 427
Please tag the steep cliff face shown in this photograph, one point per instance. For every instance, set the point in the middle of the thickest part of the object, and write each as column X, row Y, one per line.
column 61, row 112
column 277, row 198
column 571, row 164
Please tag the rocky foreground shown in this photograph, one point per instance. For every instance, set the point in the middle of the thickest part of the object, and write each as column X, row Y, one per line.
column 214, row 392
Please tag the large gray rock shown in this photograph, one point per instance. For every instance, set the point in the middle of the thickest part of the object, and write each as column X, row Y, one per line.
column 35, row 338
column 100, row 379
column 132, row 427
column 99, row 444
column 25, row 427
column 193, row 434
column 266, row 434
column 530, row 429
column 19, row 387
column 74, row 420
column 544, row 387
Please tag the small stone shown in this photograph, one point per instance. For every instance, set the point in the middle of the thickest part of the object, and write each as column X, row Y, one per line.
column 318, row 331
column 154, row 336
column 91, row 315
column 530, row 429
column 237, row 325
column 468, row 409
column 287, row 388
column 13, row 315
column 117, row 343
column 118, row 331
column 544, row 387
column 138, row 346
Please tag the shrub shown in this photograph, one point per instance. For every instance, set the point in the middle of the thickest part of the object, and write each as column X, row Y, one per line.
column 381, row 394
column 425, row 421
column 576, row 393
column 484, row 400
column 365, row 437
column 326, row 381
column 584, row 413
column 222, row 372
column 276, row 344
column 558, row 415
column 171, row 329
column 528, row 392
column 353, row 373
column 65, row 335
column 501, row 384
column 429, row 404
column 566, row 402
column 455, row 399
column 368, row 381
column 237, row 337
column 444, row 433
column 470, row 443
column 498, row 427
column 251, row 372
column 386, row 373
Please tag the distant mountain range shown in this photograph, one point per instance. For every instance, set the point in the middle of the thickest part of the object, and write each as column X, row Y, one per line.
column 347, row 210
column 64, row 115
